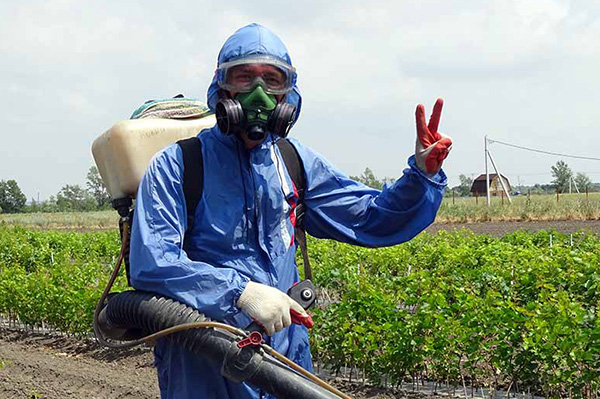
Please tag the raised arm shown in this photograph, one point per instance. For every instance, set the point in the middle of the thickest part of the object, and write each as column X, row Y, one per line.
column 348, row 211
column 342, row 209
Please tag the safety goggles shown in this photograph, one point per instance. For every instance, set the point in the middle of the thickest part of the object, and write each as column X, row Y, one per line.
column 243, row 75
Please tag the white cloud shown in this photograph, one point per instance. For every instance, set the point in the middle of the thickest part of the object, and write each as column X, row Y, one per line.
column 520, row 70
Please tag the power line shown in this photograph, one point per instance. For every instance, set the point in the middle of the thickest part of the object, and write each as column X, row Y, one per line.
column 522, row 174
column 542, row 151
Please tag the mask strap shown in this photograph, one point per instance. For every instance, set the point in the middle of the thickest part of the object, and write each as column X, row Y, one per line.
column 222, row 94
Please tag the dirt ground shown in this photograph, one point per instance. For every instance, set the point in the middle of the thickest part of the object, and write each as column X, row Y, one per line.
column 37, row 366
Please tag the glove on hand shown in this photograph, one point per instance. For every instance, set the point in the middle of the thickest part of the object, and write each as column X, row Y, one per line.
column 272, row 308
column 432, row 147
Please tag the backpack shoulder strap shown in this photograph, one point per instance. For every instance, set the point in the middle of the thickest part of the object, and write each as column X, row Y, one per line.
column 294, row 165
column 193, row 176
column 295, row 168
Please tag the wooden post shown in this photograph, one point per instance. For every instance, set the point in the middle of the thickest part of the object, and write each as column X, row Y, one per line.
column 557, row 195
column 502, row 195
column 586, row 194
column 452, row 197
column 476, row 197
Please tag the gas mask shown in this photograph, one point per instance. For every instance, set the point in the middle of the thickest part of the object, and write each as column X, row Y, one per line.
column 256, row 79
column 257, row 112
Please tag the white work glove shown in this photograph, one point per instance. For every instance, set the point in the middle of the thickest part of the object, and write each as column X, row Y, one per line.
column 271, row 308
column 432, row 147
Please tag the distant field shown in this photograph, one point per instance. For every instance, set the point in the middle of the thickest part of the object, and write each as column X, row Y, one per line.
column 522, row 208
column 64, row 220
column 459, row 210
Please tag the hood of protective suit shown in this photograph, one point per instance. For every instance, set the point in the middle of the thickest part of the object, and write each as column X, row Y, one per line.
column 254, row 39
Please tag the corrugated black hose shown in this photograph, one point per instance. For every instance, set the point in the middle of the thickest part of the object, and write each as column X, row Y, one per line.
column 129, row 315
column 149, row 313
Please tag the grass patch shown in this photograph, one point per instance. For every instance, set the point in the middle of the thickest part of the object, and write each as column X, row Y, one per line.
column 457, row 210
column 108, row 219
column 522, row 208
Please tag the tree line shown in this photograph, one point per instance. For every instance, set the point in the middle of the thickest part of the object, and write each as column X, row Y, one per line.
column 75, row 198
column 93, row 197
column 564, row 181
column 70, row 198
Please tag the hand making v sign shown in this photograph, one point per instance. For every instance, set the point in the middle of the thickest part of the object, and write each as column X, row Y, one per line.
column 432, row 147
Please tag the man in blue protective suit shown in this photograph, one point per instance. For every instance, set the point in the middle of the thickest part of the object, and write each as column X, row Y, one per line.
column 239, row 258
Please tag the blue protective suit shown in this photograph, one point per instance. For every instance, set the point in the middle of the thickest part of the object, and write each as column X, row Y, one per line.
column 244, row 231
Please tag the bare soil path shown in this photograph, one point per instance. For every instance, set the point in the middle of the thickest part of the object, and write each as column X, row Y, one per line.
column 35, row 366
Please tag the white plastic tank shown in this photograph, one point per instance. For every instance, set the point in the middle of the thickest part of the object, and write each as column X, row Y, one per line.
column 123, row 152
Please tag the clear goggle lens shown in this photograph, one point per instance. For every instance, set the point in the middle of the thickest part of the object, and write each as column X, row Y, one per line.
column 242, row 76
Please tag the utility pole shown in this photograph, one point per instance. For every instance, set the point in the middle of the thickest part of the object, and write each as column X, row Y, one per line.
column 487, row 173
column 500, row 178
column 575, row 184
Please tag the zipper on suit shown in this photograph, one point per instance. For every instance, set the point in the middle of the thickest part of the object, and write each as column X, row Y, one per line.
column 256, row 214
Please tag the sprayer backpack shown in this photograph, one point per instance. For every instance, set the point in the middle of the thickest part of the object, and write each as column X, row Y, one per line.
column 193, row 169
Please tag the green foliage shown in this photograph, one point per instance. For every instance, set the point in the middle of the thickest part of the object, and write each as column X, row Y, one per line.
column 35, row 395
column 464, row 188
column 456, row 306
column 74, row 198
column 582, row 181
column 12, row 198
column 47, row 206
column 562, row 175
column 368, row 178
column 97, row 189
column 451, row 307
column 55, row 278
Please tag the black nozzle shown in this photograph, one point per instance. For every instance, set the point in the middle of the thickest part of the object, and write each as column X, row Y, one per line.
column 122, row 205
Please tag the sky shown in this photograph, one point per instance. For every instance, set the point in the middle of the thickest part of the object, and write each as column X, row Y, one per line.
column 525, row 72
